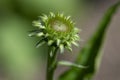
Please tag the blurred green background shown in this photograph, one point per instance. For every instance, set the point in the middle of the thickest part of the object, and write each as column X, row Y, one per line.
column 20, row 60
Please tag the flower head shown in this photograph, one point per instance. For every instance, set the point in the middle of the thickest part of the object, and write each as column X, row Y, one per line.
column 55, row 30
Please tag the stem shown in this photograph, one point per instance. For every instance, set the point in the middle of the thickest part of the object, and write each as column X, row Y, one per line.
column 51, row 62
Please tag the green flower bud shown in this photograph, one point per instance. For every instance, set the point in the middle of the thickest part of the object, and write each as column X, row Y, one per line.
column 56, row 30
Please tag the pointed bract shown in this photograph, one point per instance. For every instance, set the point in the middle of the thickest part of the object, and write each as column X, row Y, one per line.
column 61, row 48
column 40, row 34
column 50, row 42
column 40, row 43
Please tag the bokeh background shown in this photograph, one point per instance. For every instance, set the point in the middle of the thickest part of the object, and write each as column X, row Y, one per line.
column 20, row 60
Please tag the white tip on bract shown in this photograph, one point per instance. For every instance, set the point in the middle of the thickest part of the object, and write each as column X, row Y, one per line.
column 61, row 48
column 44, row 17
column 40, row 43
column 40, row 34
column 75, row 43
column 58, row 42
column 68, row 17
column 36, row 23
column 51, row 54
column 69, row 48
column 61, row 15
column 42, row 27
column 52, row 14
column 31, row 34
column 50, row 42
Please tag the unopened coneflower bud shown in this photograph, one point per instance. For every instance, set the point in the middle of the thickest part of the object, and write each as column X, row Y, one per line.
column 56, row 30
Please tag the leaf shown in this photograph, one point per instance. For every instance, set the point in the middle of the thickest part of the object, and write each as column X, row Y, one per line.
column 90, row 53
column 70, row 64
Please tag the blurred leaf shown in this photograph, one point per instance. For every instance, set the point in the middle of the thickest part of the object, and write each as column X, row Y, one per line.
column 70, row 64
column 90, row 54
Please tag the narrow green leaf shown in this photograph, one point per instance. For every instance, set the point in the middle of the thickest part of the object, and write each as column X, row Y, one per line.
column 70, row 64
column 89, row 55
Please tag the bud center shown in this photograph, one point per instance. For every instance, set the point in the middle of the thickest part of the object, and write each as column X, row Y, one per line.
column 59, row 26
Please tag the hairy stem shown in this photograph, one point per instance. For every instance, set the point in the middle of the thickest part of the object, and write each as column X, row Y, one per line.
column 51, row 62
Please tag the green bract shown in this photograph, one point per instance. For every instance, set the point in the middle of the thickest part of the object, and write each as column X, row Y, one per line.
column 55, row 30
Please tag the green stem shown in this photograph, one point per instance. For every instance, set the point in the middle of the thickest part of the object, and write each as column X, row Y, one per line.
column 51, row 62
